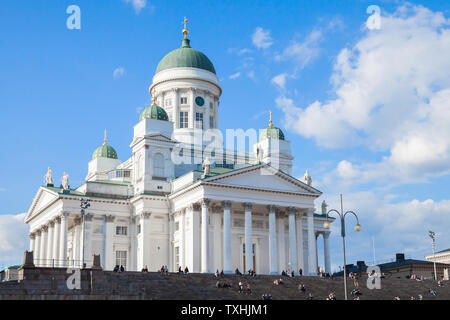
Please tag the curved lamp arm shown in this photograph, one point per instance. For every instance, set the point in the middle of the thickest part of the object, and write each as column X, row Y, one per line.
column 357, row 226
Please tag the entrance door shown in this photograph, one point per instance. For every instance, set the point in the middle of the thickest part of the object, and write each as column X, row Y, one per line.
column 245, row 269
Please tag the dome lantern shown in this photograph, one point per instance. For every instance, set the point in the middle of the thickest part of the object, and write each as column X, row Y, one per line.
column 105, row 150
column 271, row 132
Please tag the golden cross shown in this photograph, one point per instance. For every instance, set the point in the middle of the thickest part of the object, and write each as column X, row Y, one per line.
column 105, row 136
column 185, row 30
column 270, row 120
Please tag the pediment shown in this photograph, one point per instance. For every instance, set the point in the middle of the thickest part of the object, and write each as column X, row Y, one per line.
column 263, row 177
column 160, row 137
column 43, row 199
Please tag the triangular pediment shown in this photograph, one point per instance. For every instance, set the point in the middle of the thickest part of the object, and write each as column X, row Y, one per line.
column 43, row 199
column 263, row 177
column 160, row 137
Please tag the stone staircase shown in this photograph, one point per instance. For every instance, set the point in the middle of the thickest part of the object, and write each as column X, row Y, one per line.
column 49, row 283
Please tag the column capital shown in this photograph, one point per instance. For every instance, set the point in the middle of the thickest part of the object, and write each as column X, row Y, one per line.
column 51, row 224
column 175, row 90
column 271, row 208
column 32, row 235
column 248, row 205
column 194, row 206
column 88, row 217
column 226, row 204
column 110, row 218
column 145, row 215
column 64, row 214
column 44, row 228
column 38, row 232
column 280, row 212
column 205, row 202
column 57, row 219
column 292, row 210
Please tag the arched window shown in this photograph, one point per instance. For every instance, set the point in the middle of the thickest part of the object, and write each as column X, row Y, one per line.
column 158, row 165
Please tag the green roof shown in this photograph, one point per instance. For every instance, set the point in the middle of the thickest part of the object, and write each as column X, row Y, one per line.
column 104, row 151
column 271, row 132
column 185, row 57
column 154, row 112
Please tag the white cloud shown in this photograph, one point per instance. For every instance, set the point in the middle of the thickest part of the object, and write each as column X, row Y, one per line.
column 118, row 73
column 2, row 189
column 13, row 238
column 396, row 226
column 251, row 74
column 235, row 75
column 261, row 38
column 138, row 5
column 280, row 80
column 392, row 94
column 238, row 51
column 302, row 53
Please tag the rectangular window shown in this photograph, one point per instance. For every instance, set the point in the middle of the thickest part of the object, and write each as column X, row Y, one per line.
column 199, row 120
column 121, row 259
column 183, row 100
column 138, row 228
column 211, row 122
column 177, row 226
column 121, row 230
column 184, row 119
column 168, row 102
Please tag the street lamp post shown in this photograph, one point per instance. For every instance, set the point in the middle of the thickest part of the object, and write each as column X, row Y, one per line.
column 84, row 206
column 433, row 239
column 358, row 228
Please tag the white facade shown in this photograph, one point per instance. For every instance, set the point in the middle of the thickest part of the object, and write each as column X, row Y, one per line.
column 151, row 210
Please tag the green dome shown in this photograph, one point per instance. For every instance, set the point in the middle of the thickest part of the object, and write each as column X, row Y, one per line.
column 105, row 151
column 185, row 57
column 271, row 132
column 154, row 112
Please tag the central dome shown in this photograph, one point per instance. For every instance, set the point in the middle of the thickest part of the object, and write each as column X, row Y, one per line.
column 185, row 57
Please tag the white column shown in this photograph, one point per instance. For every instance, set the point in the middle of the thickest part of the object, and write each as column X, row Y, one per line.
column 226, row 236
column 176, row 108
column 183, row 240
column 171, row 264
column 281, row 234
column 76, row 243
column 37, row 248
column 55, row 241
column 312, row 268
column 292, row 240
column 326, row 251
column 43, row 249
column 217, row 239
column 32, row 242
column 205, row 237
column 192, row 108
column 317, row 252
column 109, row 234
column 62, row 256
column 207, row 112
column 273, row 249
column 300, row 253
column 51, row 228
column 248, row 238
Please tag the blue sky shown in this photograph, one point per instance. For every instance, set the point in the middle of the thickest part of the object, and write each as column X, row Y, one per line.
column 363, row 108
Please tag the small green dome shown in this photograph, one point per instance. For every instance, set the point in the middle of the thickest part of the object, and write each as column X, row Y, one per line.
column 185, row 57
column 271, row 132
column 154, row 112
column 105, row 151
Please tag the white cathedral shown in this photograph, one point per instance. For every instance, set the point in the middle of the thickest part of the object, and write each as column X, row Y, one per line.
column 178, row 203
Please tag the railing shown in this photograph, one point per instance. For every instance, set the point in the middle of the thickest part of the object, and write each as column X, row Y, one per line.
column 56, row 263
